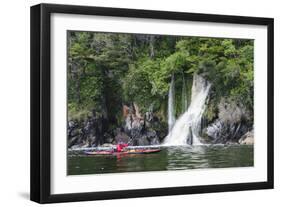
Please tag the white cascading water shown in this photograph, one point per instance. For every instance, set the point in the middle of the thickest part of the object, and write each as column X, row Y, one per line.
column 171, row 100
column 189, row 123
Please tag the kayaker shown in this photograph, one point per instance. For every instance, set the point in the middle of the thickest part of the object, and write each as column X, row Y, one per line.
column 119, row 147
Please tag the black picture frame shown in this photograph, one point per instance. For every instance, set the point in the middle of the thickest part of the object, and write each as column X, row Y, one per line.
column 41, row 99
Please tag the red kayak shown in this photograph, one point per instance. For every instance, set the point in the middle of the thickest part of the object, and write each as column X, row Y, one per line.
column 131, row 151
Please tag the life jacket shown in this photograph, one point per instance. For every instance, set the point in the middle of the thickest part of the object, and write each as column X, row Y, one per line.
column 119, row 147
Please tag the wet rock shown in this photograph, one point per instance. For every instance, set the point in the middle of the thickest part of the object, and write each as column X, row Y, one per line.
column 233, row 122
column 72, row 141
column 141, row 129
column 108, row 138
column 247, row 138
column 223, row 132
column 142, row 141
column 72, row 129
column 136, row 129
column 121, row 137
column 154, row 141
column 89, row 132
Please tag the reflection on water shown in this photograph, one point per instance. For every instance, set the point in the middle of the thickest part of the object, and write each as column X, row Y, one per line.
column 170, row 158
column 180, row 158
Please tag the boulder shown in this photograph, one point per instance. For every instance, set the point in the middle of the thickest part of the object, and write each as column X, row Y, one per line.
column 247, row 138
column 223, row 132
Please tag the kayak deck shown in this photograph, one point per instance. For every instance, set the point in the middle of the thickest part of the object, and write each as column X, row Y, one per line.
column 132, row 151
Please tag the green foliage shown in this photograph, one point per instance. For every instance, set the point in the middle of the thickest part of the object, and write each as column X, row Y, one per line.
column 106, row 70
column 226, row 63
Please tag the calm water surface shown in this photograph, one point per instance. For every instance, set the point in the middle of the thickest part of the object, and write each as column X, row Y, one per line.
column 169, row 158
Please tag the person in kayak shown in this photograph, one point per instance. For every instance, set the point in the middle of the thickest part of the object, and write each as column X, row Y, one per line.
column 120, row 147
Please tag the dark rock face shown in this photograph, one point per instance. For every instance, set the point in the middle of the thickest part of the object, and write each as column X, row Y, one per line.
column 88, row 133
column 135, row 130
column 225, row 132
column 121, row 137
column 141, row 129
column 73, row 133
column 232, row 123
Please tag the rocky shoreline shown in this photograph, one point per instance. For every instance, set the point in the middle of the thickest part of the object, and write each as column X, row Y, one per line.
column 147, row 129
column 136, row 130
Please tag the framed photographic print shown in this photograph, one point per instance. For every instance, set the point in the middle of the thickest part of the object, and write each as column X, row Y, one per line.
column 133, row 103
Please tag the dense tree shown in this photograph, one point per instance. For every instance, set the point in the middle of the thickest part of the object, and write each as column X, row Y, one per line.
column 107, row 70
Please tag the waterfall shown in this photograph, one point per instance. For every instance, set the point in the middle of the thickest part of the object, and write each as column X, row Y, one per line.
column 188, row 125
column 183, row 96
column 171, row 100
